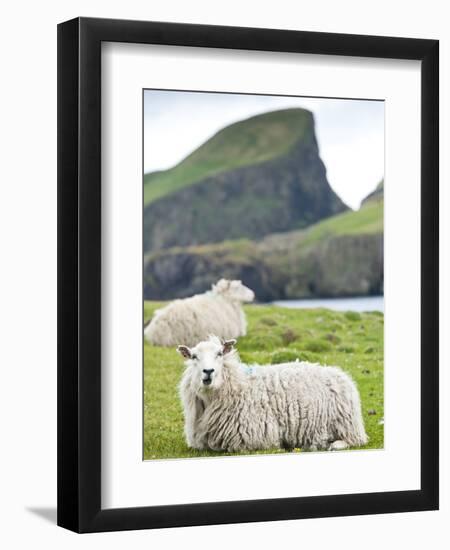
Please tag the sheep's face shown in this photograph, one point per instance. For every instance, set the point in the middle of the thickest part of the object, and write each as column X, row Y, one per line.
column 205, row 362
column 235, row 290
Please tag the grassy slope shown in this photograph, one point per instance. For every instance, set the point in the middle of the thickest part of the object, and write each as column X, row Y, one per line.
column 350, row 340
column 250, row 141
column 368, row 219
column 377, row 193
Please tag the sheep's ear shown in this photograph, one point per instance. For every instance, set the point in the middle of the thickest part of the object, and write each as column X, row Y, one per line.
column 222, row 285
column 184, row 351
column 228, row 345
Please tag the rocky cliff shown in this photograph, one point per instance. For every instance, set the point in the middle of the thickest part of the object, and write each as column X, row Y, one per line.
column 340, row 256
column 275, row 184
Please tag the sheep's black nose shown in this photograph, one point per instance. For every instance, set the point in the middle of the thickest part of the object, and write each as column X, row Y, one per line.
column 208, row 371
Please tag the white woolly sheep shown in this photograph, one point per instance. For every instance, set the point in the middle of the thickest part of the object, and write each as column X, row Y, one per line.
column 191, row 320
column 229, row 406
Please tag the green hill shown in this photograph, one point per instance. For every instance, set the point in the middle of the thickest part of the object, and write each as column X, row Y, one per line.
column 259, row 176
column 251, row 141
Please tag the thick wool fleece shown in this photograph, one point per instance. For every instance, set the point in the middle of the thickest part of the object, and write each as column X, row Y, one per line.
column 191, row 320
column 276, row 406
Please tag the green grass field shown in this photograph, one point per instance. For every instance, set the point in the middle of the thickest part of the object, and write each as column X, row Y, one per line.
column 349, row 340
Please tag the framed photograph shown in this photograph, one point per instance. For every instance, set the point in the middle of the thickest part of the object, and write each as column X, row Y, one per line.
column 247, row 275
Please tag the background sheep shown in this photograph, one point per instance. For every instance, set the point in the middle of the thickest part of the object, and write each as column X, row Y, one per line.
column 231, row 407
column 191, row 320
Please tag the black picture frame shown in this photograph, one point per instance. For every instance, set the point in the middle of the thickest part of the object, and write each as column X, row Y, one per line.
column 79, row 274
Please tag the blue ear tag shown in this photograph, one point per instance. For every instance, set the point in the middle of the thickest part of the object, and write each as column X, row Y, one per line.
column 248, row 370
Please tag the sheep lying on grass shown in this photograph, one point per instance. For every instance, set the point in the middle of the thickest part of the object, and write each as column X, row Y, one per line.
column 191, row 320
column 232, row 407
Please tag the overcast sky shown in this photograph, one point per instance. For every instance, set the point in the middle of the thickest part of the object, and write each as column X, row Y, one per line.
column 350, row 133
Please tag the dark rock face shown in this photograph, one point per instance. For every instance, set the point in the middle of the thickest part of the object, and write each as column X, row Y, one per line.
column 347, row 265
column 182, row 274
column 279, row 195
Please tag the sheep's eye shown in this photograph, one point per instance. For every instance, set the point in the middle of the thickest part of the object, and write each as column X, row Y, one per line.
column 194, row 357
column 219, row 353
